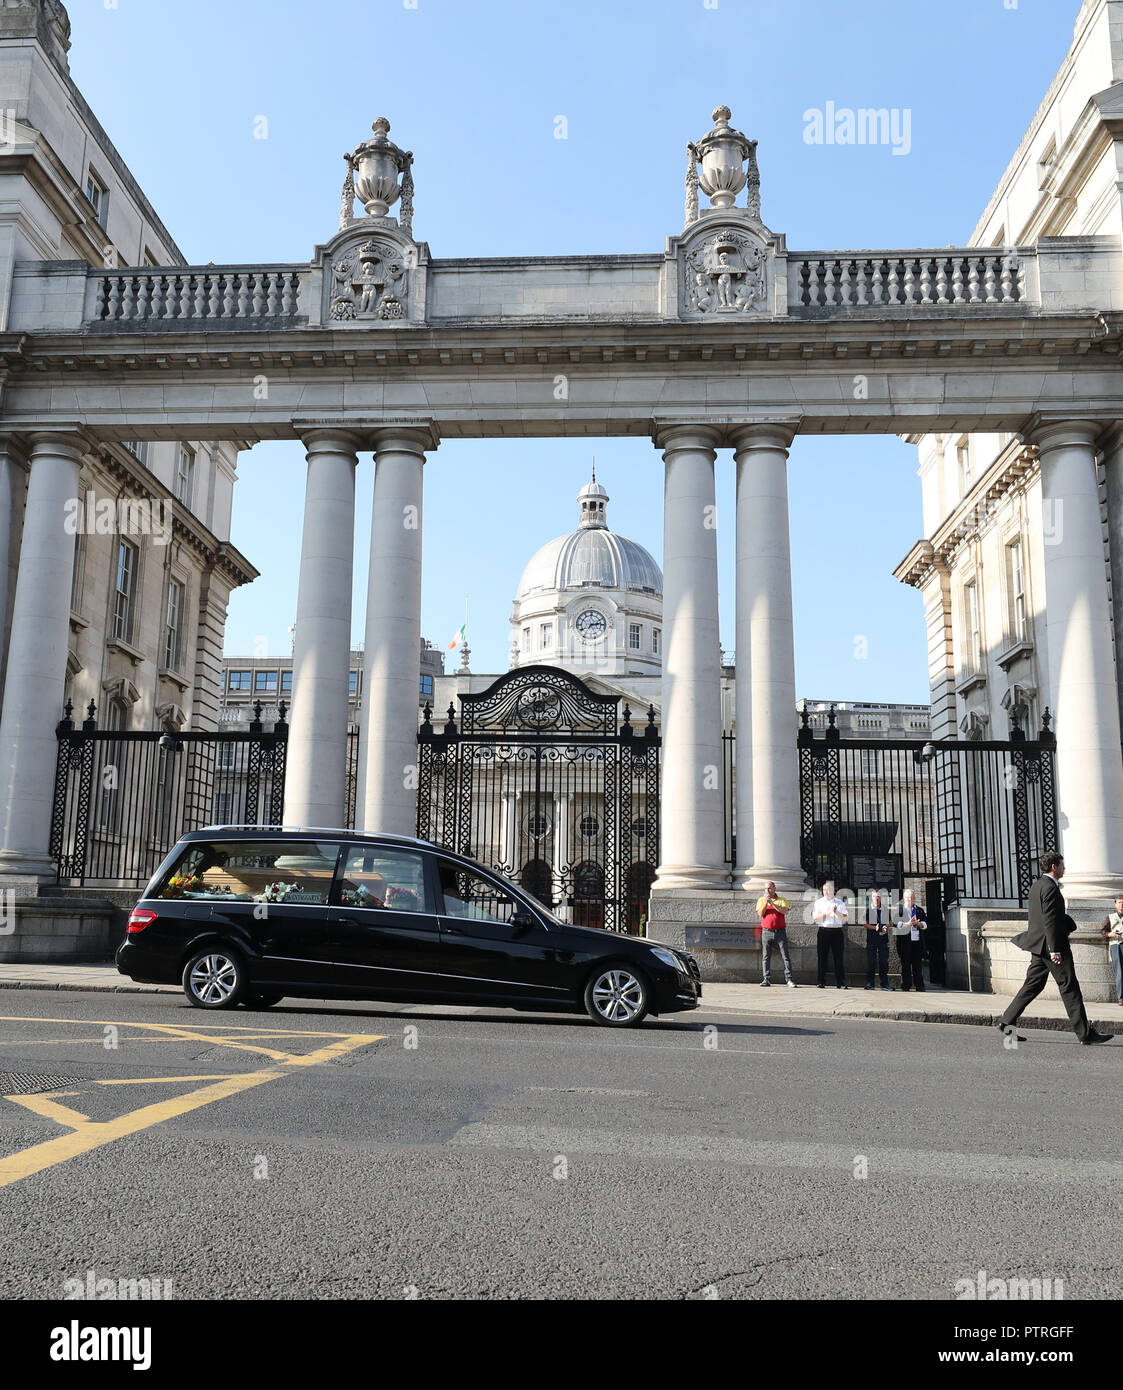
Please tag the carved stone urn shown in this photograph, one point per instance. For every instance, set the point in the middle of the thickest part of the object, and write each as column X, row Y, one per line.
column 378, row 164
column 722, row 154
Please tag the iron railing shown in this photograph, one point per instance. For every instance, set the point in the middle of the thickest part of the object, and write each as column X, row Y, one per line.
column 877, row 813
column 122, row 799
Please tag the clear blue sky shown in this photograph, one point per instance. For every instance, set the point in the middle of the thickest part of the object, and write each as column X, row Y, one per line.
column 473, row 88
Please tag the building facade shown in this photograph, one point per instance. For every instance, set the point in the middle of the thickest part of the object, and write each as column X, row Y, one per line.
column 152, row 567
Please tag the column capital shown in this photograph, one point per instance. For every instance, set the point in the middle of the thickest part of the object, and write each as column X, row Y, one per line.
column 64, row 440
column 764, row 435
column 409, row 437
column 685, row 434
column 1049, row 434
column 320, row 439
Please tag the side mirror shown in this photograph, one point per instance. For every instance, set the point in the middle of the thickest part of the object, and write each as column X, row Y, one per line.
column 523, row 920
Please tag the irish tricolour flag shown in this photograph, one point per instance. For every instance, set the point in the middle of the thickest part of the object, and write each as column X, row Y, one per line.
column 461, row 633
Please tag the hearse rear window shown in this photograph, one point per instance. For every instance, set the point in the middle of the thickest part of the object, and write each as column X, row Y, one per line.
column 378, row 876
column 259, row 871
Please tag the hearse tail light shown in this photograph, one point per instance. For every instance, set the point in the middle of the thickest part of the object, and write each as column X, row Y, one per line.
column 139, row 918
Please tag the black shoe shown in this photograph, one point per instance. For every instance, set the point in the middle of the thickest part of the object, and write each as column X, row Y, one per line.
column 822, row 986
column 1093, row 1037
column 766, row 984
column 1006, row 1028
column 869, row 986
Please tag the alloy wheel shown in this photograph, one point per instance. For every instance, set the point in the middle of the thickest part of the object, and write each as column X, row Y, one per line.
column 618, row 996
column 214, row 978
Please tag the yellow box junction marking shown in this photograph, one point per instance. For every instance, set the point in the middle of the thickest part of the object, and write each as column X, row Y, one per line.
column 87, row 1134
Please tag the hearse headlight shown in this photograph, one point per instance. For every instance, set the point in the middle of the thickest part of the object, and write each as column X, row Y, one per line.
column 668, row 958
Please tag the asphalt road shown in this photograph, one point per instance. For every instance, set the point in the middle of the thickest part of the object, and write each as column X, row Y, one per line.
column 369, row 1152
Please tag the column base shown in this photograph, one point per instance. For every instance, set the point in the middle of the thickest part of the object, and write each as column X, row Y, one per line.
column 790, row 883
column 1086, row 889
column 690, row 878
column 18, row 865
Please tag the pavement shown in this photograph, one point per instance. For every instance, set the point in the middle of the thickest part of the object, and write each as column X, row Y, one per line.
column 347, row 1152
column 935, row 1005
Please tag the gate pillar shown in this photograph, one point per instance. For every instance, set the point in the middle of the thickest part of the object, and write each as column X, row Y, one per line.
column 316, row 784
column 693, row 831
column 36, row 672
column 768, row 812
column 1078, row 640
column 388, row 723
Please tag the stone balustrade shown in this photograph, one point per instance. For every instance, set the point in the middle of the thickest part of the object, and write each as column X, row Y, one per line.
column 885, row 279
column 200, row 294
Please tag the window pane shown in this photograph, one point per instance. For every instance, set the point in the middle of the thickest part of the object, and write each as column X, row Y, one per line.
column 466, row 894
column 254, row 871
column 375, row 877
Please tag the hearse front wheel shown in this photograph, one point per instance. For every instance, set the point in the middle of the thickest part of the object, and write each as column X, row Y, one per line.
column 617, row 996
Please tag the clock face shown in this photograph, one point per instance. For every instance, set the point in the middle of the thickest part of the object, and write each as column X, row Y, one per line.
column 591, row 625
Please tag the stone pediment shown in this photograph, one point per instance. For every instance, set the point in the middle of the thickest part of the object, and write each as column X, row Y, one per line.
column 374, row 276
column 726, row 267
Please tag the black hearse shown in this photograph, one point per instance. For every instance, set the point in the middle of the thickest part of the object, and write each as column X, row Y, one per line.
column 250, row 915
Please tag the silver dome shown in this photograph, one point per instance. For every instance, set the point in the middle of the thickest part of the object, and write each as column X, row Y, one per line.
column 592, row 556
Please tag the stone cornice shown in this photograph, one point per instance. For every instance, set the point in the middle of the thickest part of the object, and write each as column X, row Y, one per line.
column 1010, row 470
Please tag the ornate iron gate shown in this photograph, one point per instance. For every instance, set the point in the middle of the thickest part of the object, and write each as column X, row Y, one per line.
column 975, row 815
column 544, row 781
column 122, row 799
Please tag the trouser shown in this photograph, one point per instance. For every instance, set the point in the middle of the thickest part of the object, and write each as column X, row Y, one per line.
column 779, row 936
column 1040, row 968
column 831, row 941
column 911, row 954
column 877, row 957
column 1116, row 954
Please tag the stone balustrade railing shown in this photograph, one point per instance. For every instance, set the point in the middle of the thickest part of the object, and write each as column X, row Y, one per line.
column 884, row 279
column 202, row 294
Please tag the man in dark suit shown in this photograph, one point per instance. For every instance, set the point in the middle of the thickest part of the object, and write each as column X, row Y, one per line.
column 1046, row 940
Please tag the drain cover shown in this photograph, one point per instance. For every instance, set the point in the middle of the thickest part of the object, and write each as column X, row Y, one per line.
column 28, row 1083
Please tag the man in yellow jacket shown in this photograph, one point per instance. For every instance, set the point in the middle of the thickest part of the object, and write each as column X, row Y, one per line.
column 772, row 911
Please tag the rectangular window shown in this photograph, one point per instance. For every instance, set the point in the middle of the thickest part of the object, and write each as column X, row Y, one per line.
column 185, row 474
column 656, row 640
column 173, row 621
column 97, row 195
column 426, row 687
column 259, row 871
column 963, row 454
column 1015, row 575
column 78, row 574
column 265, row 682
column 526, row 639
column 149, row 258
column 352, row 682
column 237, row 680
column 223, row 813
column 124, row 594
column 634, row 637
column 377, row 877
column 545, row 636
column 286, row 682
column 139, row 449
column 973, row 636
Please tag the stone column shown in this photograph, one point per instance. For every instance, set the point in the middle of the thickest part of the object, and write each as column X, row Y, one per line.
column 315, row 781
column 11, row 481
column 1081, row 666
column 36, row 672
column 388, row 725
column 693, row 839
column 767, row 761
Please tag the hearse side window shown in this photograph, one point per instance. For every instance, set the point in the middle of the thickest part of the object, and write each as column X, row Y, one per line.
column 466, row 894
column 259, row 871
column 379, row 877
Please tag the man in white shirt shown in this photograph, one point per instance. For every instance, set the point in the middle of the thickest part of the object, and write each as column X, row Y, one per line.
column 830, row 915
